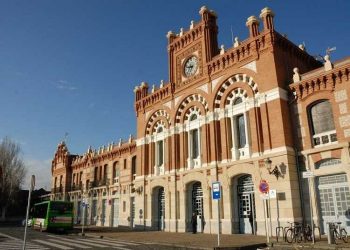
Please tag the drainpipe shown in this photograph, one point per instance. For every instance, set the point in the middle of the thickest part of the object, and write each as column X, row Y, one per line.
column 300, row 185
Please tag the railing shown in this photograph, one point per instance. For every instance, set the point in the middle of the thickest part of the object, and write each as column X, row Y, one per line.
column 324, row 138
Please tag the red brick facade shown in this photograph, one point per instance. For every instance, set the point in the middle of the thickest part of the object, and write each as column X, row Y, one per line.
column 223, row 116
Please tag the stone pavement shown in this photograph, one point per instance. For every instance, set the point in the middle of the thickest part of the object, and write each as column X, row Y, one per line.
column 204, row 241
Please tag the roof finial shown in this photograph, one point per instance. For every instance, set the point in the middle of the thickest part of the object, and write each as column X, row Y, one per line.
column 192, row 24
column 296, row 75
column 181, row 31
column 328, row 64
column 236, row 43
column 222, row 49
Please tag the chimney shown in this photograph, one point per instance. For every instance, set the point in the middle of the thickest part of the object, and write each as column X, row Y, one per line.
column 267, row 16
column 253, row 26
column 210, row 32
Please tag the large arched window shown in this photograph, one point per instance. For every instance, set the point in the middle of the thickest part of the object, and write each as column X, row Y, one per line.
column 322, row 123
column 239, row 128
column 194, row 141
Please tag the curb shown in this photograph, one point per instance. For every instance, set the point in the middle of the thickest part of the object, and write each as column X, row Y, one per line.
column 179, row 247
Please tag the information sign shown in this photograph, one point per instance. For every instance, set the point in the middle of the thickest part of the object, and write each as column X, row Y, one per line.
column 216, row 190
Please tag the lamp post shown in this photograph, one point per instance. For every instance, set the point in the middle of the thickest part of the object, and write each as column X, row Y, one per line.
column 268, row 164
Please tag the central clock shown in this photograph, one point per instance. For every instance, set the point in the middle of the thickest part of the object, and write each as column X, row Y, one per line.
column 191, row 66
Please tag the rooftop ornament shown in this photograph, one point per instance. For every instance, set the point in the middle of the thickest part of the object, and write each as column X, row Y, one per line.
column 296, row 76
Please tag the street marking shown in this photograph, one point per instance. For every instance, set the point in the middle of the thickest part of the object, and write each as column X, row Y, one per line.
column 75, row 240
column 121, row 241
column 52, row 244
column 93, row 243
column 15, row 243
column 70, row 243
column 119, row 246
column 8, row 236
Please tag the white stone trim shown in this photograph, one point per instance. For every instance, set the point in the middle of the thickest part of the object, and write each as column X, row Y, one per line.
column 168, row 104
column 215, row 82
column 204, row 88
column 251, row 66
column 219, row 113
column 278, row 150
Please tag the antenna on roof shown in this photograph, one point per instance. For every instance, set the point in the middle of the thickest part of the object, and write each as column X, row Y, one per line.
column 232, row 35
column 319, row 58
column 65, row 137
column 329, row 50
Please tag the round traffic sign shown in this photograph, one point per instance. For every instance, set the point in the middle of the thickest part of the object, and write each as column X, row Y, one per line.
column 264, row 187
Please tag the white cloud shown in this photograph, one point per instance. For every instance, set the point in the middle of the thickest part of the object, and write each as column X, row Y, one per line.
column 65, row 85
column 42, row 171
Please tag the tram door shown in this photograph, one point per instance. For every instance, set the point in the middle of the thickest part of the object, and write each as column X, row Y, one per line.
column 245, row 190
column 161, row 209
column 197, row 205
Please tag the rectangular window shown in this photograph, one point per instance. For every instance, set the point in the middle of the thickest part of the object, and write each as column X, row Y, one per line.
column 160, row 153
column 133, row 165
column 124, row 163
column 241, row 131
column 95, row 174
column 195, row 149
column 124, row 206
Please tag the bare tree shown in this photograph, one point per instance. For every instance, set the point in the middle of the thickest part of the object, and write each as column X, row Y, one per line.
column 12, row 173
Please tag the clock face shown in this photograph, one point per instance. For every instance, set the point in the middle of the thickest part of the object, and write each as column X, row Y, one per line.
column 191, row 66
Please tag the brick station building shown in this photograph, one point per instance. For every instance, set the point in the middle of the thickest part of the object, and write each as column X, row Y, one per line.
column 263, row 110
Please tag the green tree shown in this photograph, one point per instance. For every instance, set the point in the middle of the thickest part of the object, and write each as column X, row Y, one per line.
column 12, row 173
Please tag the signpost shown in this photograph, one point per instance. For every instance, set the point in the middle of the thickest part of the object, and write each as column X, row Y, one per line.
column 32, row 185
column 216, row 189
column 264, row 189
column 308, row 175
column 84, row 205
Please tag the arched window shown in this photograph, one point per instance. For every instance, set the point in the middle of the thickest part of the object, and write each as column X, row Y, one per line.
column 238, row 100
column 327, row 162
column 322, row 123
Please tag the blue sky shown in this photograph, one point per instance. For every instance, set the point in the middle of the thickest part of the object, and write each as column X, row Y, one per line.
column 71, row 66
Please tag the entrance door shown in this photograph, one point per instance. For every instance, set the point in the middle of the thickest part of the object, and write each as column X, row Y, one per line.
column 115, row 213
column 197, row 205
column 334, row 200
column 161, row 209
column 94, row 212
column 245, row 190
column 78, row 218
column 132, row 212
column 103, row 215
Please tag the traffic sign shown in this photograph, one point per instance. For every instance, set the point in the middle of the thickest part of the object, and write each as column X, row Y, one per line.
column 216, row 190
column 264, row 187
column 308, row 174
column 272, row 194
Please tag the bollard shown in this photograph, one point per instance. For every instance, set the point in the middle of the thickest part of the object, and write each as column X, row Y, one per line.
column 330, row 235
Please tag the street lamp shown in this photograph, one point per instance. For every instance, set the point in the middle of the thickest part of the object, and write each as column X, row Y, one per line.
column 275, row 171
